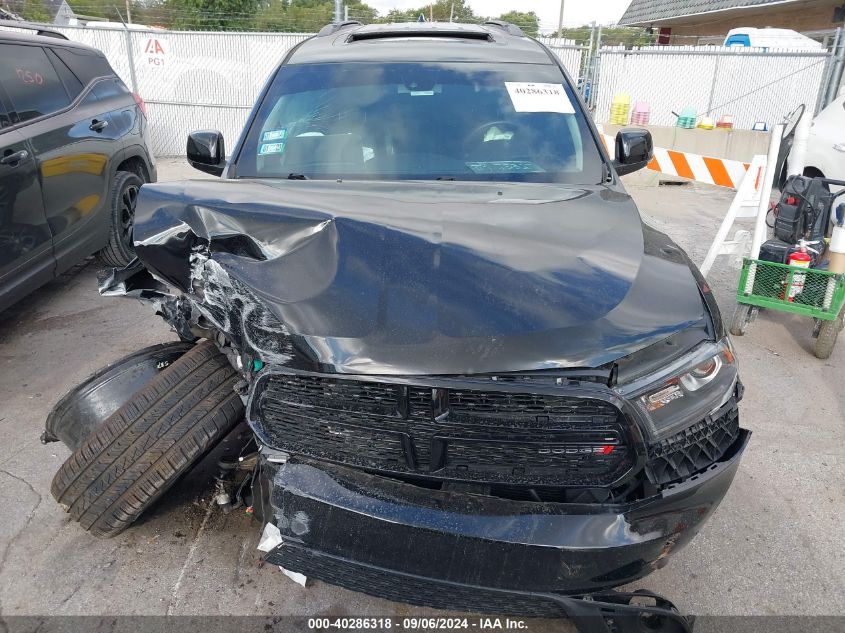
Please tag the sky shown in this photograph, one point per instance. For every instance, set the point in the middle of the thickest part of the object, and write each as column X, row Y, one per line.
column 576, row 12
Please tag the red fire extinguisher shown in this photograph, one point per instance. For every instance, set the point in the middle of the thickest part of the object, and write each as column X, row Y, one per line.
column 799, row 259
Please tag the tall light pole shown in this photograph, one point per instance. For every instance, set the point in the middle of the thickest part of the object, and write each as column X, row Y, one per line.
column 338, row 11
column 560, row 22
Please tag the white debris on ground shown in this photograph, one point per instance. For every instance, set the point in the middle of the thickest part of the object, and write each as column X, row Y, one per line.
column 298, row 578
column 271, row 538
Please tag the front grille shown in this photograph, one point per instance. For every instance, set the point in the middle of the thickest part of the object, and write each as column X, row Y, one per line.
column 416, row 590
column 695, row 448
column 476, row 435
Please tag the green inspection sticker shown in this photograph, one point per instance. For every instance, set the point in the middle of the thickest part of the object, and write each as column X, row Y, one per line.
column 274, row 135
column 271, row 148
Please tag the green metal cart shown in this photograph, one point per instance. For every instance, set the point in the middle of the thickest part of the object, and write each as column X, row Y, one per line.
column 806, row 291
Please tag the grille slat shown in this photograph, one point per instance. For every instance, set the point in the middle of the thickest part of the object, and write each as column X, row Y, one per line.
column 695, row 448
column 458, row 434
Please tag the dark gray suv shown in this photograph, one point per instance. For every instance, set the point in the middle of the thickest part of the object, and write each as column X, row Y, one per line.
column 475, row 377
column 74, row 150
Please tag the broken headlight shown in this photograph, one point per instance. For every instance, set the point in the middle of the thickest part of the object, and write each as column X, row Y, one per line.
column 685, row 391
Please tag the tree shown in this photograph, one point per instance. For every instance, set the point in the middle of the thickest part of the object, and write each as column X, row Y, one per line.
column 94, row 9
column 151, row 13
column 395, row 15
column 212, row 15
column 611, row 36
column 527, row 21
column 113, row 10
column 34, row 11
column 441, row 11
column 362, row 12
column 307, row 16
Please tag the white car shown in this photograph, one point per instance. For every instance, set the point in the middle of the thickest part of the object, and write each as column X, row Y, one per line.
column 770, row 38
column 826, row 146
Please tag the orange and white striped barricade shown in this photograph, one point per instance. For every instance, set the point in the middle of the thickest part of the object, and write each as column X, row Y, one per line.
column 713, row 171
column 752, row 182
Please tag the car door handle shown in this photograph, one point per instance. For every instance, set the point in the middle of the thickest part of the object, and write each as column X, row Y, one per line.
column 839, row 147
column 98, row 126
column 15, row 158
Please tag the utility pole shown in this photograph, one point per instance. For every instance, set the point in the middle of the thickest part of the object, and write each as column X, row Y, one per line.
column 560, row 22
column 452, row 13
column 128, row 13
column 346, row 13
column 338, row 11
column 431, row 12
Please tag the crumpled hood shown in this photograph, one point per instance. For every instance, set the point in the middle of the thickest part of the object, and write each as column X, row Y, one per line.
column 418, row 277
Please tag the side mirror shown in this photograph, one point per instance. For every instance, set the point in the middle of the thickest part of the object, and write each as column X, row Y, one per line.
column 206, row 151
column 634, row 150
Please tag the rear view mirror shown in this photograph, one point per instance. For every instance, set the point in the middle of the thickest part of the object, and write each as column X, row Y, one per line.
column 634, row 150
column 206, row 151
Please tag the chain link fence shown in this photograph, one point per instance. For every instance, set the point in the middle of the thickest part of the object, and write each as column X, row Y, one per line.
column 571, row 56
column 190, row 80
column 751, row 85
column 199, row 79
column 196, row 79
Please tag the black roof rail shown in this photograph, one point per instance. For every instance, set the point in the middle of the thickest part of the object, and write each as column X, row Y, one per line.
column 39, row 28
column 330, row 29
column 360, row 36
column 511, row 29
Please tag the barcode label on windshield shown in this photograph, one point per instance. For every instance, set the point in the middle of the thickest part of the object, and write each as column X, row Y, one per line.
column 528, row 97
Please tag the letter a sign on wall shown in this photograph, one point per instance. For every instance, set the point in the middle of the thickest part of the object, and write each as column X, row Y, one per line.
column 155, row 52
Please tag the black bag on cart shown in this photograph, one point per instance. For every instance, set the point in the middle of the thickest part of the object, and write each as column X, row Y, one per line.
column 803, row 211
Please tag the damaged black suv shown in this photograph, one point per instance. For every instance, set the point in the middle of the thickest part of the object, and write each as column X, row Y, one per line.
column 476, row 379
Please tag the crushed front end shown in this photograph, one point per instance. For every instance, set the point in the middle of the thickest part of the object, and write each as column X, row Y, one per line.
column 491, row 425
column 474, row 493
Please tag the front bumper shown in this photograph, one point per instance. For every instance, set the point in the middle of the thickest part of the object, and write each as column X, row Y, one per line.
column 476, row 553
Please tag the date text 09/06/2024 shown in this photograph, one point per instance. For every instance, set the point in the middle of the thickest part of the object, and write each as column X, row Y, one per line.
column 412, row 624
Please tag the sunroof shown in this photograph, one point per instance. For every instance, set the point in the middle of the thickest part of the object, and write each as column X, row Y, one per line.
column 359, row 36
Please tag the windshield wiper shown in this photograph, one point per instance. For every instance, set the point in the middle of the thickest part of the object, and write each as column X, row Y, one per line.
column 297, row 177
column 445, row 178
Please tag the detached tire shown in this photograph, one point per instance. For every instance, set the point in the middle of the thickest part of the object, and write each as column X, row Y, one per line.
column 139, row 452
column 122, row 197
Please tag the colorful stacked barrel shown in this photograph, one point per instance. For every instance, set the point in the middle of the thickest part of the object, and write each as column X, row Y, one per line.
column 726, row 122
column 620, row 109
column 706, row 123
column 641, row 113
column 687, row 118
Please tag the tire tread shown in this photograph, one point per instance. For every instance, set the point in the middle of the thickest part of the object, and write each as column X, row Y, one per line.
column 116, row 253
column 145, row 446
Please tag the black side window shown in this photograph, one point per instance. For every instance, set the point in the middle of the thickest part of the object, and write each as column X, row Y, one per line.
column 85, row 64
column 31, row 82
column 70, row 81
column 110, row 88
column 104, row 90
column 90, row 98
column 4, row 115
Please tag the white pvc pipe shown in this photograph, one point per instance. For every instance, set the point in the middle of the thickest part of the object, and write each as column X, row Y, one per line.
column 766, row 190
column 798, row 154
column 721, row 235
column 744, row 193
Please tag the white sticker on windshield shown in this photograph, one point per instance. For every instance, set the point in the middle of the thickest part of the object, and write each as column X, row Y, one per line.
column 528, row 97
